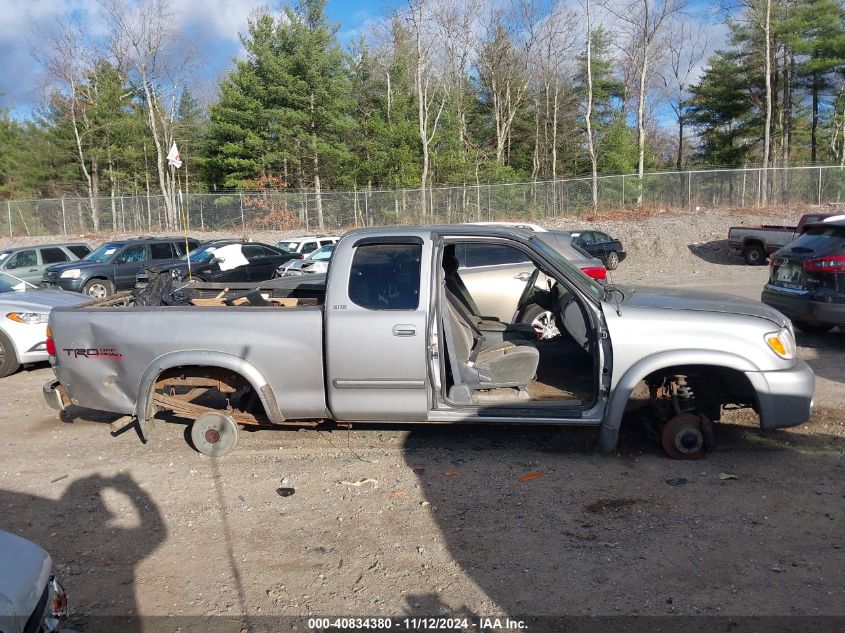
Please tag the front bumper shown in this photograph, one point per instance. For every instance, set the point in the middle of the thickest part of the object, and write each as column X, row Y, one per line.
column 800, row 306
column 60, row 283
column 28, row 339
column 55, row 395
column 785, row 397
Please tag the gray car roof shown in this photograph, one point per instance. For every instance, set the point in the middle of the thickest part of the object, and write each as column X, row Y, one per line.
column 26, row 248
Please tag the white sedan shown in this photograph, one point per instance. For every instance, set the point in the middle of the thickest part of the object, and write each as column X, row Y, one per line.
column 23, row 321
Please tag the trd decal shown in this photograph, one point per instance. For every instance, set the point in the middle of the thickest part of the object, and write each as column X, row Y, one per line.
column 104, row 352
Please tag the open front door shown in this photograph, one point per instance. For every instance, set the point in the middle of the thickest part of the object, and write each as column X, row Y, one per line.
column 376, row 342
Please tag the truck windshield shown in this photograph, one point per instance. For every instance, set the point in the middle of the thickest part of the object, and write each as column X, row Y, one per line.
column 288, row 247
column 581, row 280
column 103, row 253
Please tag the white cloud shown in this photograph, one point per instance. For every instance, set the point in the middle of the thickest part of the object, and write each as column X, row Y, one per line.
column 216, row 23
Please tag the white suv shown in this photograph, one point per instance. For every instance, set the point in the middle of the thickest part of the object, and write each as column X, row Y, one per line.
column 306, row 245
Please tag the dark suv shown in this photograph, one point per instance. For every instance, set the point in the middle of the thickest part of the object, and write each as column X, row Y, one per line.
column 113, row 265
column 807, row 278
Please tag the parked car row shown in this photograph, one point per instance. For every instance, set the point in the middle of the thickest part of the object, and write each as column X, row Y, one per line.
column 120, row 265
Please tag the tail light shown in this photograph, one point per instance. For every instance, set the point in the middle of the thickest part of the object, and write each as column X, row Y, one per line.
column 832, row 264
column 595, row 272
column 59, row 607
column 51, row 344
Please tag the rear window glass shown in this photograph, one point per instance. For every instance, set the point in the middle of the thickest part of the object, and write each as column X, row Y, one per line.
column 474, row 255
column 53, row 256
column 818, row 238
column 386, row 276
column 80, row 250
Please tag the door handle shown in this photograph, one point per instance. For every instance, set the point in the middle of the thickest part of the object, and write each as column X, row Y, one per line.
column 404, row 330
column 523, row 276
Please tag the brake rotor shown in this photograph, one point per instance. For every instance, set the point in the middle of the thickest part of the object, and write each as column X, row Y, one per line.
column 683, row 437
column 214, row 434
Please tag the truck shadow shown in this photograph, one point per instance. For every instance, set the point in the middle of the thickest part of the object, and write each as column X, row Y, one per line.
column 543, row 525
column 716, row 252
column 92, row 546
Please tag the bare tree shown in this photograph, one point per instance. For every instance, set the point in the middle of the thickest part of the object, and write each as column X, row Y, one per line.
column 644, row 22
column 591, row 146
column 503, row 67
column 555, row 39
column 69, row 61
column 686, row 45
column 430, row 89
column 767, row 66
column 459, row 23
column 144, row 39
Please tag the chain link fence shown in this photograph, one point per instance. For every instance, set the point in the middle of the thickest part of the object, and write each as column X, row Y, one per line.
column 308, row 212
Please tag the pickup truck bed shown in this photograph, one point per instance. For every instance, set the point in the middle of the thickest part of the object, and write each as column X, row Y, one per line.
column 98, row 358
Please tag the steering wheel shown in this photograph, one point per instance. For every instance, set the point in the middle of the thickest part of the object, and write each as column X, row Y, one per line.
column 529, row 290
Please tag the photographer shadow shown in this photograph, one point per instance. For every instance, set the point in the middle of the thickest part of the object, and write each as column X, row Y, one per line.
column 92, row 545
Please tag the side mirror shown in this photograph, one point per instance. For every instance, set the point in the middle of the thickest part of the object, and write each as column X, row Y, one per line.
column 218, row 259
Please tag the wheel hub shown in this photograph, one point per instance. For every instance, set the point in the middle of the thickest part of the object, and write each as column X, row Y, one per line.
column 544, row 326
column 212, row 436
column 689, row 440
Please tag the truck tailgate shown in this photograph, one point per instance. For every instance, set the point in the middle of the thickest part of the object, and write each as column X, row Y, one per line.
column 103, row 352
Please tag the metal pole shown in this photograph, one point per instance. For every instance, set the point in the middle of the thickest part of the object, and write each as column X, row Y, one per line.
column 64, row 220
column 9, row 210
column 243, row 223
column 689, row 190
column 623, row 190
column 820, row 185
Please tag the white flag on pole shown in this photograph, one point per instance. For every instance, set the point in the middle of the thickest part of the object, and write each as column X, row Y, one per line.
column 173, row 157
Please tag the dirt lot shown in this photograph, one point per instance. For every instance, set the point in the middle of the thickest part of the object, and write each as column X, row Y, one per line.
column 428, row 520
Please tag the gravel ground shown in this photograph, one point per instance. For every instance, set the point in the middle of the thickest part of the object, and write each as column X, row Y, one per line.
column 439, row 520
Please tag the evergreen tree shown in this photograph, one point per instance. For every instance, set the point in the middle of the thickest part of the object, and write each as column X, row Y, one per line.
column 815, row 30
column 721, row 111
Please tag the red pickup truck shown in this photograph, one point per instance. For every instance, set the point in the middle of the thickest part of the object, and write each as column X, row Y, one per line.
column 756, row 242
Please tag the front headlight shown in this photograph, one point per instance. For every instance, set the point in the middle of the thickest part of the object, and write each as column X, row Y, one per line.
column 781, row 343
column 73, row 273
column 30, row 318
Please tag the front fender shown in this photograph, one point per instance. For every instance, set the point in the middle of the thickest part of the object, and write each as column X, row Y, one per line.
column 609, row 431
column 202, row 358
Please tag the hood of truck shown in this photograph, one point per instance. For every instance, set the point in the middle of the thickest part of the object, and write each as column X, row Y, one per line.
column 39, row 300
column 698, row 301
column 23, row 575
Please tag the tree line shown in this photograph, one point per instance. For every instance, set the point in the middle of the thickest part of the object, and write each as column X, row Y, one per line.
column 440, row 92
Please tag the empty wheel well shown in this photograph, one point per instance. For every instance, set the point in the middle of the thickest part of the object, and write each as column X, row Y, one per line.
column 713, row 386
column 189, row 391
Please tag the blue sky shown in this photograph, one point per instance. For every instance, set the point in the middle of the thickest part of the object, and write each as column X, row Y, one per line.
column 216, row 23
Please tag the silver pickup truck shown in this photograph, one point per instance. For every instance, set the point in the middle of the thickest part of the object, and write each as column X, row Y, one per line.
column 392, row 334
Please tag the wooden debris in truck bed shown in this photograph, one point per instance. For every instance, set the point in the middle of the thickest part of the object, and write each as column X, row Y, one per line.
column 282, row 302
